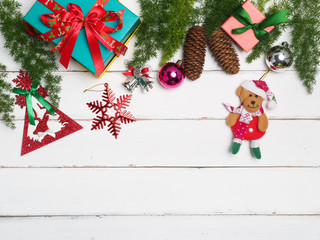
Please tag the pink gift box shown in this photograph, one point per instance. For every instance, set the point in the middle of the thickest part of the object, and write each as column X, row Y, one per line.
column 246, row 40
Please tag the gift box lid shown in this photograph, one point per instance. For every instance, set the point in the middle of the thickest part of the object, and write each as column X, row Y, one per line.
column 81, row 52
column 246, row 40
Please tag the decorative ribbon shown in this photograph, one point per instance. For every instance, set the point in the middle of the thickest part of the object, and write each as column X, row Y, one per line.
column 240, row 110
column 243, row 16
column 68, row 23
column 29, row 94
column 144, row 72
column 245, row 116
column 138, row 77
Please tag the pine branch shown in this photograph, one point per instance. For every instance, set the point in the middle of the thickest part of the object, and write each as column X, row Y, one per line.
column 6, row 101
column 32, row 53
column 216, row 12
column 178, row 20
column 263, row 46
column 305, row 33
column 164, row 25
column 306, row 40
column 261, row 4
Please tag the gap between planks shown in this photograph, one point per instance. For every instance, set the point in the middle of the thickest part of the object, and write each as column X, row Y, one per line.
column 197, row 119
column 155, row 167
column 160, row 215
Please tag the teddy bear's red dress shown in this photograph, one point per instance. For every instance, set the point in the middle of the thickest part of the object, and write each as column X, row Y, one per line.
column 246, row 127
column 251, row 133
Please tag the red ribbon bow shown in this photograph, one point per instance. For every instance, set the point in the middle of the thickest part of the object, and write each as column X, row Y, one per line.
column 144, row 72
column 70, row 23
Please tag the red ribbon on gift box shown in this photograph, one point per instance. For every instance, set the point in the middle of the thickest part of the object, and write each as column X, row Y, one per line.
column 68, row 23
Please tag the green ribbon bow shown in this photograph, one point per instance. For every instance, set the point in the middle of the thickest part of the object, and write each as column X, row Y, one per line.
column 29, row 94
column 243, row 16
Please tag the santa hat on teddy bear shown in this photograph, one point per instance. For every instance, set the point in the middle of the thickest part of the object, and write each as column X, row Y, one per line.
column 261, row 89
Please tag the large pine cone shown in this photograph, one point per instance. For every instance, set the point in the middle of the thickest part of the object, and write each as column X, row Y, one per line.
column 194, row 52
column 221, row 47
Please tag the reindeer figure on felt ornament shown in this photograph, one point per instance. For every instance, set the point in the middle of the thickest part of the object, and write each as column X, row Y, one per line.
column 248, row 121
column 44, row 127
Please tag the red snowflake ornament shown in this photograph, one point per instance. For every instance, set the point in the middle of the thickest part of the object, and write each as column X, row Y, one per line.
column 24, row 81
column 105, row 107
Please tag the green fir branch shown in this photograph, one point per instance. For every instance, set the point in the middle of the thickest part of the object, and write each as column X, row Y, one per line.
column 263, row 46
column 6, row 101
column 306, row 40
column 305, row 31
column 164, row 26
column 180, row 12
column 216, row 12
column 261, row 4
column 33, row 54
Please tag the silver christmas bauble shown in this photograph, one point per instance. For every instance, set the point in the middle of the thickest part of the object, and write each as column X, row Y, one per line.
column 279, row 58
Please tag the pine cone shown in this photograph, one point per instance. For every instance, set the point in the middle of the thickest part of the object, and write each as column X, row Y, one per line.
column 194, row 52
column 221, row 47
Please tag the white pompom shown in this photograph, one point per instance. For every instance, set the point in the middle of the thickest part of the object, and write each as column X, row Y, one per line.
column 272, row 104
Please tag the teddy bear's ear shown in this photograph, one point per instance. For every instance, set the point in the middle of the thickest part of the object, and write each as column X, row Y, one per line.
column 239, row 90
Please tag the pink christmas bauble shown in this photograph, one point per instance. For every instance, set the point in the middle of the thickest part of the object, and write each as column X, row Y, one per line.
column 171, row 75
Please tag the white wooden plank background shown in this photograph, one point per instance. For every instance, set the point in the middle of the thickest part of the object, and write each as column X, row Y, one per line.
column 169, row 175
column 165, row 227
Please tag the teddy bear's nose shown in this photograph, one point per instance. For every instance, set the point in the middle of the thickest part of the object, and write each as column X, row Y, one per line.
column 253, row 102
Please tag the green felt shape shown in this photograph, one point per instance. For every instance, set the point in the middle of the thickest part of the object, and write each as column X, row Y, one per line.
column 256, row 152
column 235, row 147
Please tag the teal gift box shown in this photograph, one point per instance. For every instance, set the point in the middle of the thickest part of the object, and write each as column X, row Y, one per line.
column 81, row 52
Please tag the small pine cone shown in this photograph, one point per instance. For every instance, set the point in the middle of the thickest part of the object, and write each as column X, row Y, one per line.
column 194, row 52
column 221, row 47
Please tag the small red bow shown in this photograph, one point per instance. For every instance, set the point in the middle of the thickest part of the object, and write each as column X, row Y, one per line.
column 144, row 72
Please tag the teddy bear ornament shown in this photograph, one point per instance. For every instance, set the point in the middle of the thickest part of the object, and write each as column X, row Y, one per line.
column 248, row 121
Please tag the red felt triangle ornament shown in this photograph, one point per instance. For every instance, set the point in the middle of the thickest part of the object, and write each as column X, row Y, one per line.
column 48, row 129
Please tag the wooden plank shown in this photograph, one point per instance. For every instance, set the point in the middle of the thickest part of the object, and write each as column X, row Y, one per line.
column 174, row 162
column 167, row 143
column 201, row 99
column 202, row 143
column 159, row 191
column 159, row 228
